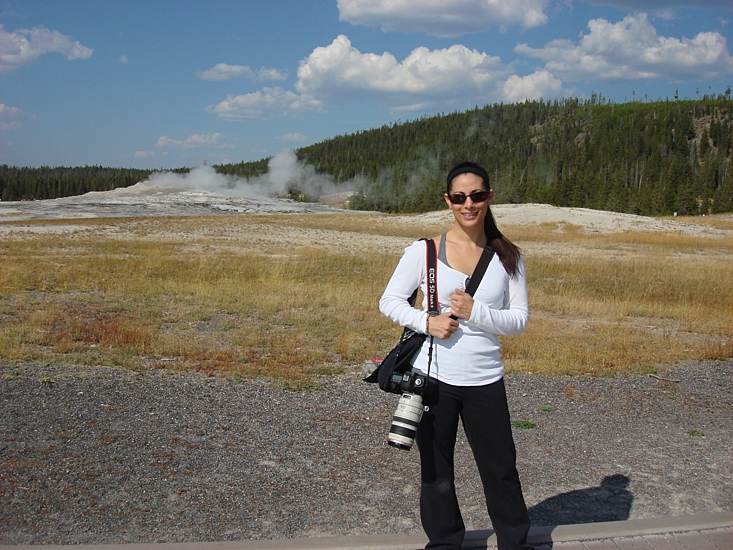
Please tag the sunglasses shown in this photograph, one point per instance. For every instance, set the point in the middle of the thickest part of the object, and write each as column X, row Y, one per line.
column 476, row 196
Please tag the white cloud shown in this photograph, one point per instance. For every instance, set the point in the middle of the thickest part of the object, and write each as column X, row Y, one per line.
column 457, row 75
column 25, row 46
column 11, row 118
column 265, row 74
column 294, row 137
column 123, row 59
column 222, row 71
column 262, row 104
column 443, row 18
column 666, row 15
column 632, row 50
column 194, row 141
column 540, row 84
column 150, row 154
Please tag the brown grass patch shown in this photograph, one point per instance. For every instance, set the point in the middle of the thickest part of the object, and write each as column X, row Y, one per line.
column 245, row 296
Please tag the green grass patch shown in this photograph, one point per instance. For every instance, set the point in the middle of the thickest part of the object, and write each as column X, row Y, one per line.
column 523, row 424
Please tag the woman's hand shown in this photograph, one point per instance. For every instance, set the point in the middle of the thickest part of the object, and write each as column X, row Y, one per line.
column 442, row 326
column 461, row 304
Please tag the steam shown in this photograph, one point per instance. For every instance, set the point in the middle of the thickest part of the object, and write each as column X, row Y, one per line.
column 285, row 172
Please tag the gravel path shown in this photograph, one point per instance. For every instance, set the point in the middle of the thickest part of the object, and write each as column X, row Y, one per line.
column 100, row 455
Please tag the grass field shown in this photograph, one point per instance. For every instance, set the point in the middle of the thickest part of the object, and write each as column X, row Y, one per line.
column 294, row 297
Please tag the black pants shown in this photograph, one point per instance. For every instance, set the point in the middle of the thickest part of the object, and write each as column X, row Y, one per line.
column 485, row 416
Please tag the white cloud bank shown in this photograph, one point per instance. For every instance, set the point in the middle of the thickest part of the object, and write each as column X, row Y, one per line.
column 222, row 71
column 631, row 50
column 451, row 73
column 263, row 104
column 24, row 47
column 443, row 18
column 458, row 77
column 340, row 73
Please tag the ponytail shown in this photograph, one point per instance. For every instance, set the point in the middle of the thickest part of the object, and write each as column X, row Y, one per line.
column 507, row 251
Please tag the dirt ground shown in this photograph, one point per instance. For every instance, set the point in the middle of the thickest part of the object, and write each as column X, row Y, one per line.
column 113, row 456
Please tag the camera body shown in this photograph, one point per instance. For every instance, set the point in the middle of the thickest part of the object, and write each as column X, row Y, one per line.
column 411, row 382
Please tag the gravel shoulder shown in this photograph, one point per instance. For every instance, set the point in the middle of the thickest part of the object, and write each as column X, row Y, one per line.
column 102, row 455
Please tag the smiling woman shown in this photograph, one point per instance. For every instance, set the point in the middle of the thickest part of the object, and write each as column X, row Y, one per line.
column 463, row 355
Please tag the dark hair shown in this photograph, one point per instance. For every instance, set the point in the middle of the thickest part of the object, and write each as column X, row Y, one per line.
column 507, row 251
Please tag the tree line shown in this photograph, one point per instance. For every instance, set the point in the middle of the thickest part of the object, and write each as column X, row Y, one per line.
column 650, row 158
column 21, row 184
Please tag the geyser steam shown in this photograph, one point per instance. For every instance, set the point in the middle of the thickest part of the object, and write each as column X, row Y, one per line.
column 285, row 172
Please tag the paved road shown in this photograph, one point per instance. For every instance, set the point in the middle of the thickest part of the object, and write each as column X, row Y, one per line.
column 700, row 532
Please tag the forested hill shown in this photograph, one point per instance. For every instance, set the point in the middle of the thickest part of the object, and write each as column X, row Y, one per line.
column 640, row 157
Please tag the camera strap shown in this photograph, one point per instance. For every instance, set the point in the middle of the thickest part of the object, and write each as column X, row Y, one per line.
column 431, row 278
column 431, row 283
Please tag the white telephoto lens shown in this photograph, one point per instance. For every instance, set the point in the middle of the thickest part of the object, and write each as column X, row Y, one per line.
column 405, row 420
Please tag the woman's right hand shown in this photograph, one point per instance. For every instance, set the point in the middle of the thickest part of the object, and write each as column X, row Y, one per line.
column 442, row 326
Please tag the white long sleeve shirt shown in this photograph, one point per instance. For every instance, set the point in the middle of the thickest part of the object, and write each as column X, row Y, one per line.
column 471, row 356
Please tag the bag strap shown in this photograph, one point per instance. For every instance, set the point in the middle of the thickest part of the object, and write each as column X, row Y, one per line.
column 478, row 273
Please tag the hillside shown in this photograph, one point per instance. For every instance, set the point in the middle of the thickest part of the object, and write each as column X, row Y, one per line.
column 642, row 158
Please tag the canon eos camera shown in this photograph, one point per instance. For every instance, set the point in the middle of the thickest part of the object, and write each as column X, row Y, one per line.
column 412, row 386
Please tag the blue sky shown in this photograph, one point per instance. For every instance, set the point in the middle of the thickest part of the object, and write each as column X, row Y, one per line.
column 165, row 84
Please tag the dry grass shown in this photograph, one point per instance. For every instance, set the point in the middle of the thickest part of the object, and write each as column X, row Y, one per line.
column 292, row 297
column 623, row 302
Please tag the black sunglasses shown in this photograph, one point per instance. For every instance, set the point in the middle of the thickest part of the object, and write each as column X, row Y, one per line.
column 476, row 196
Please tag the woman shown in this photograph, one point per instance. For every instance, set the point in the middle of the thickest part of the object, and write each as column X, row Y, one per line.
column 466, row 362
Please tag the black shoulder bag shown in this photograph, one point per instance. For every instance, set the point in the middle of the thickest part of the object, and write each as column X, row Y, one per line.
column 399, row 360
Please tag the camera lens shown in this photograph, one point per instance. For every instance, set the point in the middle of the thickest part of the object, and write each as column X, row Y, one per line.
column 405, row 420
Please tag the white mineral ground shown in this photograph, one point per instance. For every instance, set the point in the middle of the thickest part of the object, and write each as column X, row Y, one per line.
column 144, row 199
